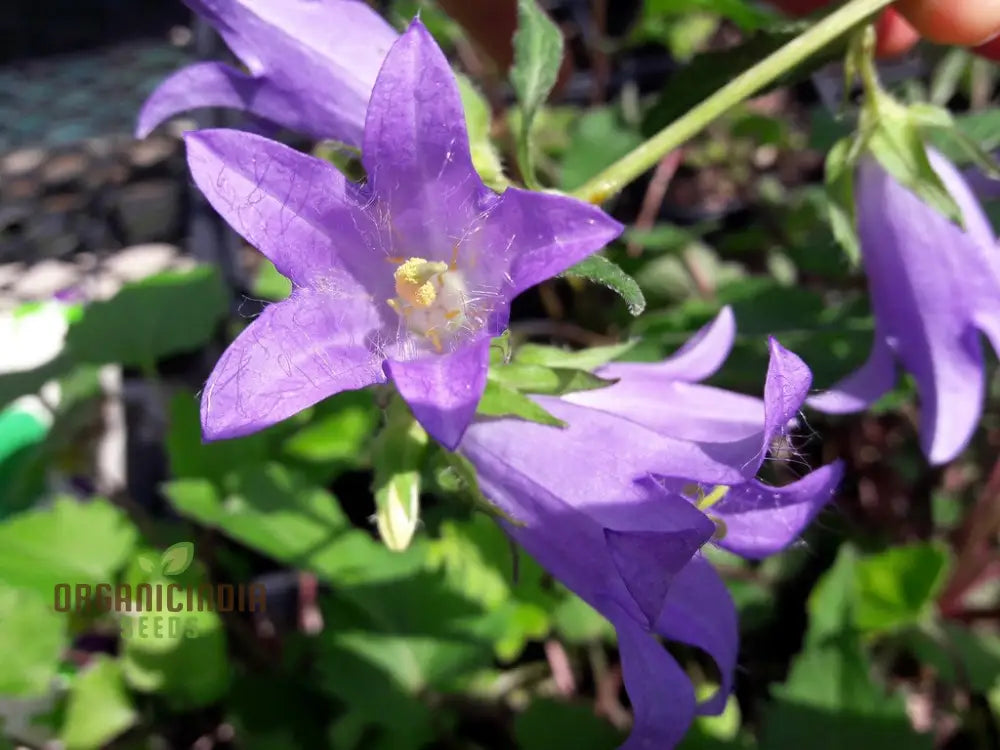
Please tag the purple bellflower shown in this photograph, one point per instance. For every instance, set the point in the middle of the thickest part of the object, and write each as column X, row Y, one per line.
column 312, row 65
column 934, row 288
column 405, row 277
column 610, row 506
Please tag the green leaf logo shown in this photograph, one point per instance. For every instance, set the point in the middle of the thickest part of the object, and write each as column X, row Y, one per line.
column 177, row 558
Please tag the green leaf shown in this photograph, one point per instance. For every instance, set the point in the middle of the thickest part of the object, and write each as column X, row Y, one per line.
column 599, row 138
column 531, row 378
column 269, row 284
column 831, row 602
column 582, row 359
column 602, row 271
column 177, row 558
column 538, row 50
column 478, row 562
column 166, row 314
column 485, row 157
column 397, row 460
column 896, row 141
column 963, row 657
column 830, row 702
column 840, row 163
column 898, row 587
column 179, row 655
column 578, row 622
column 69, row 543
column 190, row 457
column 278, row 513
column 338, row 433
column 32, row 639
column 344, row 157
column 547, row 724
column 501, row 400
column 99, row 708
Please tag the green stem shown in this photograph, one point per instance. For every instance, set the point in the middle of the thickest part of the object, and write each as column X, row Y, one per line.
column 625, row 170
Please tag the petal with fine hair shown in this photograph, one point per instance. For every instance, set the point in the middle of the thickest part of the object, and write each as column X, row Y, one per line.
column 443, row 390
column 416, row 146
column 761, row 520
column 540, row 235
column 297, row 210
column 295, row 354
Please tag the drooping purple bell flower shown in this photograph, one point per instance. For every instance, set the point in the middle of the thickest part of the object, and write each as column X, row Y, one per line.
column 311, row 63
column 609, row 506
column 405, row 277
column 935, row 287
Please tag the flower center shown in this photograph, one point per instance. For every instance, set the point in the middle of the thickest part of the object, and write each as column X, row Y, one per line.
column 431, row 298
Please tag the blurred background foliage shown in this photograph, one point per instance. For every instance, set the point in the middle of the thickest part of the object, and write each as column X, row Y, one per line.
column 879, row 629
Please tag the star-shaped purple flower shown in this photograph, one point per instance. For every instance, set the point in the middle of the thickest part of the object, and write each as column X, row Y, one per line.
column 312, row 65
column 934, row 288
column 610, row 506
column 405, row 277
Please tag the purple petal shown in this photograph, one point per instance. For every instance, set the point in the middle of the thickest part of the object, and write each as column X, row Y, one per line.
column 930, row 283
column 322, row 56
column 416, row 148
column 685, row 411
column 298, row 352
column 297, row 210
column 202, row 85
column 660, row 692
column 648, row 560
column 861, row 389
column 540, row 235
column 730, row 428
column 699, row 611
column 700, row 357
column 761, row 520
column 443, row 390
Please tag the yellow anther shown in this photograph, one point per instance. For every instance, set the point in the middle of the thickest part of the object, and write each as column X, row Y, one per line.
column 452, row 314
column 415, row 281
column 707, row 501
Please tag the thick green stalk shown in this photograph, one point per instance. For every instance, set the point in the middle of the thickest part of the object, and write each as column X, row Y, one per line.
column 625, row 170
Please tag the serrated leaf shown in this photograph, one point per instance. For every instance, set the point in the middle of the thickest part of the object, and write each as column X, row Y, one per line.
column 501, row 400
column 602, row 271
column 538, row 51
column 582, row 359
column 397, row 459
column 177, row 558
